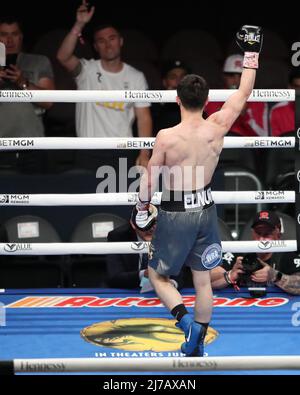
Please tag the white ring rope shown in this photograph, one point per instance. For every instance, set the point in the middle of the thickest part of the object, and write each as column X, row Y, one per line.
column 99, row 248
column 285, row 362
column 163, row 96
column 135, row 143
column 129, row 199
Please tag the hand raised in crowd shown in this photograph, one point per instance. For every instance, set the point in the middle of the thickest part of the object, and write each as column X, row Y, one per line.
column 84, row 15
column 263, row 275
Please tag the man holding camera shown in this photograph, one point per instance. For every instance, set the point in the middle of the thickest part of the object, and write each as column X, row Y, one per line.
column 264, row 268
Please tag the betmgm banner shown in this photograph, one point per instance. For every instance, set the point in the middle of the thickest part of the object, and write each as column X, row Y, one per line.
column 2, row 315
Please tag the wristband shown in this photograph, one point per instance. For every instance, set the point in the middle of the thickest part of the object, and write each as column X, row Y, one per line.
column 251, row 60
column 226, row 276
column 229, row 280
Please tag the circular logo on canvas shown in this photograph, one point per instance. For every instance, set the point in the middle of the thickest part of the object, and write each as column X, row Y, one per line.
column 139, row 334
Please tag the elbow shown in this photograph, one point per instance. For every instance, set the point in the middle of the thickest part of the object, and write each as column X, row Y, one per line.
column 249, row 92
column 60, row 57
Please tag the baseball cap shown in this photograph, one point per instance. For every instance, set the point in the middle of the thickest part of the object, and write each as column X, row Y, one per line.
column 233, row 64
column 266, row 217
column 173, row 64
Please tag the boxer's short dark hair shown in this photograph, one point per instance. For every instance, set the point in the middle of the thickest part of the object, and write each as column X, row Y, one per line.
column 193, row 92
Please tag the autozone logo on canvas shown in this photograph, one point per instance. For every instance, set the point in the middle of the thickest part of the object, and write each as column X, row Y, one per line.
column 137, row 301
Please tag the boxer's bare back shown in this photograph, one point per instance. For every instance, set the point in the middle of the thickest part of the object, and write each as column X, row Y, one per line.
column 192, row 149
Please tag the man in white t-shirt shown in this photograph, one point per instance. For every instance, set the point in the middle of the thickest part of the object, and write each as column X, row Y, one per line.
column 109, row 73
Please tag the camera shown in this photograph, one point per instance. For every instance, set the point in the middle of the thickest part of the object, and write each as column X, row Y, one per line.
column 250, row 265
column 11, row 59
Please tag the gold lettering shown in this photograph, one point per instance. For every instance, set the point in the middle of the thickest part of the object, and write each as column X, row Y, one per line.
column 117, row 106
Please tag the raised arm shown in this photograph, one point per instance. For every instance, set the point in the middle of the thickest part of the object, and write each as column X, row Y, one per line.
column 65, row 54
column 250, row 39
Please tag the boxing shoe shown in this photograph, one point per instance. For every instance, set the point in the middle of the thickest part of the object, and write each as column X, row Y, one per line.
column 185, row 323
column 194, row 345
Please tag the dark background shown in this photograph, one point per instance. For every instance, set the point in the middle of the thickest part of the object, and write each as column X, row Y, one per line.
column 159, row 19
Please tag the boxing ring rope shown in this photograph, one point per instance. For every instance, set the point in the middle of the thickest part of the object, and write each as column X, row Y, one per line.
column 135, row 143
column 130, row 199
column 258, row 95
column 163, row 364
column 104, row 248
column 134, row 96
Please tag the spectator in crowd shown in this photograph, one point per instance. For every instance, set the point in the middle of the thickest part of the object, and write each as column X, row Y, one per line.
column 282, row 115
column 131, row 270
column 23, row 71
column 108, row 73
column 280, row 269
column 166, row 115
column 253, row 121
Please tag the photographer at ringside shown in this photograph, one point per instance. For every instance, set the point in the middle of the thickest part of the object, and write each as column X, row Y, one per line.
column 266, row 268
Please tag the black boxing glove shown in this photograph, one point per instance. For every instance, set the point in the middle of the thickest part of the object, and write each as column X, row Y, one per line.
column 250, row 39
column 144, row 216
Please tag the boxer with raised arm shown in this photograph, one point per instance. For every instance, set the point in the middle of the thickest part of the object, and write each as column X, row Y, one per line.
column 187, row 228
